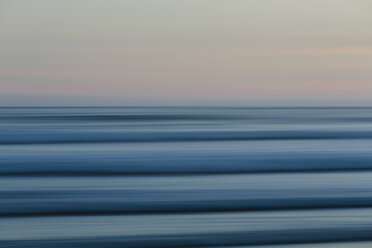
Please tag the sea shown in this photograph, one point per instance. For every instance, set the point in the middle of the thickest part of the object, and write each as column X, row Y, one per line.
column 183, row 177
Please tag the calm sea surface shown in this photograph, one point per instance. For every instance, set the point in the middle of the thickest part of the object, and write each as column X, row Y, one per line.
column 186, row 177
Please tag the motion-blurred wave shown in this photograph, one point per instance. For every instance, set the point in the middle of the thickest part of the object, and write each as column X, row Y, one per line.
column 185, row 177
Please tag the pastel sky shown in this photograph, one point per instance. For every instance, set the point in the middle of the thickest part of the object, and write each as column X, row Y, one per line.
column 143, row 52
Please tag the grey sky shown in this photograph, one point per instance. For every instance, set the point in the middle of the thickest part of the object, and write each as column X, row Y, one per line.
column 185, row 51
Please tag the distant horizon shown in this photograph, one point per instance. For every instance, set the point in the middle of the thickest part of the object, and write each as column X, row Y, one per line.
column 99, row 102
column 192, row 106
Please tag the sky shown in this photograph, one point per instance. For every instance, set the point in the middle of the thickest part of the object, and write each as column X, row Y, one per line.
column 185, row 52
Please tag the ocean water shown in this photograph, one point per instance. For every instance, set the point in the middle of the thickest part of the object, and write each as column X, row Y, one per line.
column 186, row 177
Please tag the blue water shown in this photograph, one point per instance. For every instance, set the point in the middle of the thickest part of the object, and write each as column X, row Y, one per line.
column 185, row 177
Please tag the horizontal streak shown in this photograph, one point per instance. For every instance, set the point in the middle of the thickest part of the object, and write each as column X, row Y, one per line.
column 30, row 196
column 98, row 208
column 264, row 163
column 107, row 137
column 269, row 237
column 213, row 229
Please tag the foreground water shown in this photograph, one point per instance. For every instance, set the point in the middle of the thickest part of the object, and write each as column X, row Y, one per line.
column 185, row 177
